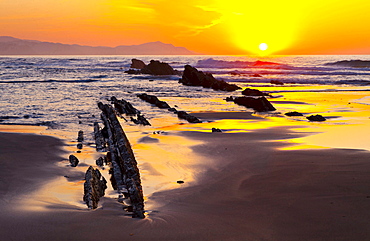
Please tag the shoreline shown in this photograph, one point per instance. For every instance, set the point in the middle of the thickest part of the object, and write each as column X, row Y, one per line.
column 246, row 188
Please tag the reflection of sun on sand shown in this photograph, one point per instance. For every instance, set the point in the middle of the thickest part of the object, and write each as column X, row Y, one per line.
column 243, row 184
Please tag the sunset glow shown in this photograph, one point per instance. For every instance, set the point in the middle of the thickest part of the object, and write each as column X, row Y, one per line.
column 209, row 27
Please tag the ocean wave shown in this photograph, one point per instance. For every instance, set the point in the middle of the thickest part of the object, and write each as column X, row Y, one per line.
column 351, row 63
column 48, row 81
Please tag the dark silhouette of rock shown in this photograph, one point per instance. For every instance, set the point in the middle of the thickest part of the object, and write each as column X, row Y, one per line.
column 100, row 161
column 253, row 92
column 276, row 82
column 180, row 182
column 293, row 113
column 137, row 64
column 172, row 110
column 260, row 104
column 124, row 107
column 73, row 160
column 141, row 120
column 188, row 117
column 133, row 71
column 192, row 77
column 80, row 136
column 156, row 67
column 216, row 130
column 229, row 98
column 99, row 138
column 316, row 118
column 94, row 187
column 154, row 100
column 79, row 146
column 125, row 173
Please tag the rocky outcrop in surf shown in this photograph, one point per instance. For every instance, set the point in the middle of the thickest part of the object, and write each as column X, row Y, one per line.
column 260, row 104
column 253, row 92
column 155, row 67
column 192, row 77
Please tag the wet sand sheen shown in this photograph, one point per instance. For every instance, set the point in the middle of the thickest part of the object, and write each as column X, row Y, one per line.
column 249, row 190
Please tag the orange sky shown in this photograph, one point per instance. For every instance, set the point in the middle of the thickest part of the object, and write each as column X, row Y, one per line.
column 204, row 26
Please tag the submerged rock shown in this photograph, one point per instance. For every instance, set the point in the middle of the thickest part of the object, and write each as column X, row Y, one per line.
column 293, row 113
column 141, row 120
column 260, row 104
column 124, row 107
column 216, row 130
column 193, row 77
column 154, row 100
column 316, row 118
column 80, row 136
column 73, row 160
column 253, row 92
column 188, row 117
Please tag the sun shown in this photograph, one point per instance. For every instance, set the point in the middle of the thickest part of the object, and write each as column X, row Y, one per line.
column 263, row 46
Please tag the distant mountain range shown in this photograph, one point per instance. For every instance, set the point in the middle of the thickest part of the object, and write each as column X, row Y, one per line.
column 15, row 46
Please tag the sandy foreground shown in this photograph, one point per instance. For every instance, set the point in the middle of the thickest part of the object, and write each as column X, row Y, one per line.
column 249, row 189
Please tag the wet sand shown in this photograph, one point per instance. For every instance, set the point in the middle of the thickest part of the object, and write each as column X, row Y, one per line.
column 248, row 189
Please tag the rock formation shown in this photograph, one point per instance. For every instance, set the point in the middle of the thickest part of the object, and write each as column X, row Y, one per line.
column 188, row 117
column 125, row 173
column 156, row 67
column 140, row 120
column 80, row 136
column 137, row 64
column 124, row 107
column 193, row 77
column 253, row 92
column 260, row 104
column 73, row 160
column 99, row 138
column 154, row 100
column 316, row 118
column 293, row 113
column 94, row 187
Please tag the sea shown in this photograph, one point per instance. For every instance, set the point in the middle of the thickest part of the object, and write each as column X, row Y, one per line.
column 61, row 93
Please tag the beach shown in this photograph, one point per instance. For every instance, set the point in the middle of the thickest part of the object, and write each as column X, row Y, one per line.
column 265, row 176
column 246, row 187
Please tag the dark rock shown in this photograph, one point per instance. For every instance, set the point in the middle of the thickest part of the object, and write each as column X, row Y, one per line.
column 100, row 161
column 79, row 146
column 73, row 160
column 156, row 67
column 125, row 173
column 154, row 100
column 172, row 110
column 216, row 130
column 293, row 113
column 137, row 64
column 26, row 116
column 124, row 107
column 180, row 182
column 141, row 120
column 94, row 187
column 229, row 98
column 260, row 104
column 193, row 77
column 253, row 92
column 80, row 136
column 133, row 71
column 99, row 138
column 276, row 82
column 188, row 117
column 316, row 118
